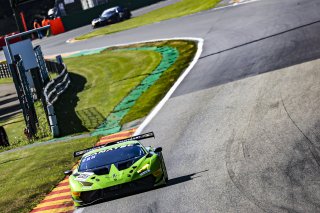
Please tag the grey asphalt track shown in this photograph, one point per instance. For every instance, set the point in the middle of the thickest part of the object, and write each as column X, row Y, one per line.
column 235, row 139
column 241, row 133
column 8, row 101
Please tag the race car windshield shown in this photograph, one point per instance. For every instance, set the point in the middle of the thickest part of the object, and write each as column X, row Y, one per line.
column 107, row 13
column 108, row 157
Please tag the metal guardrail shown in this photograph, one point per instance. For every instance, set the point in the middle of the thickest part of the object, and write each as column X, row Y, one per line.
column 54, row 67
column 57, row 86
column 53, row 90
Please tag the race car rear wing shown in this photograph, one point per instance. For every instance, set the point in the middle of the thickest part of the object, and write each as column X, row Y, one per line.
column 137, row 137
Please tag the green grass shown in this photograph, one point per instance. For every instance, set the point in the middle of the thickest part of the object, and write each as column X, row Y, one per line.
column 182, row 8
column 10, row 80
column 35, row 171
column 6, row 80
column 28, row 175
column 99, row 82
column 15, row 126
column 154, row 94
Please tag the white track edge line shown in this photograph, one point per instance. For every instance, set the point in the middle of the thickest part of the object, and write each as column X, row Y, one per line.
column 235, row 4
column 159, row 106
column 130, row 43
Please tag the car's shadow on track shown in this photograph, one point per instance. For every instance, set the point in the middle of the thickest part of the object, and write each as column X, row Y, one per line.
column 171, row 182
column 182, row 179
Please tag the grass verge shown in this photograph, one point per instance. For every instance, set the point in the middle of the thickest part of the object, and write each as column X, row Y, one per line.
column 15, row 126
column 10, row 80
column 149, row 99
column 28, row 175
column 6, row 80
column 182, row 8
column 99, row 82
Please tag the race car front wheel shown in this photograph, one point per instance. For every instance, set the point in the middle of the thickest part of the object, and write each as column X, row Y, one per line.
column 164, row 169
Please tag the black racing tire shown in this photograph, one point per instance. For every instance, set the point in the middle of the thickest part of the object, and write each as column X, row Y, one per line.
column 164, row 168
column 166, row 178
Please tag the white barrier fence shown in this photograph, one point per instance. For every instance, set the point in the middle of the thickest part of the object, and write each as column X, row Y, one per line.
column 57, row 86
column 52, row 91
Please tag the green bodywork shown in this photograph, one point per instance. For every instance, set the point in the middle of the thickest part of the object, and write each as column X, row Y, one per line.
column 150, row 164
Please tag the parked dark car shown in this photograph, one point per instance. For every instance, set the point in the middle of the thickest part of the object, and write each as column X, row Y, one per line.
column 111, row 16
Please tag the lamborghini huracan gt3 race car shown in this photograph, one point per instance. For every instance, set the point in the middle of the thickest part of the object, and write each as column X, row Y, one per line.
column 115, row 169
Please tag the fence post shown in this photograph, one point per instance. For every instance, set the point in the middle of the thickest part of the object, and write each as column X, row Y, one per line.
column 53, row 121
column 59, row 59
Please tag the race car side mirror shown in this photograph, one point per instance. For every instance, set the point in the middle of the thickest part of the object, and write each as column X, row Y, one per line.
column 158, row 149
column 68, row 172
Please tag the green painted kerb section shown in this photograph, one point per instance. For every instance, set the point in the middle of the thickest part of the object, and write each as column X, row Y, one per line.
column 112, row 123
column 86, row 52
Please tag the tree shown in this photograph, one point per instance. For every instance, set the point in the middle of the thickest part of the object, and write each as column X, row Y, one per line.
column 5, row 9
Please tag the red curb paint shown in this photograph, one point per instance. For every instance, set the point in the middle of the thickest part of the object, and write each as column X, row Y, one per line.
column 62, row 184
column 52, row 207
column 59, row 191
column 116, row 135
column 103, row 143
column 57, row 198
column 110, row 141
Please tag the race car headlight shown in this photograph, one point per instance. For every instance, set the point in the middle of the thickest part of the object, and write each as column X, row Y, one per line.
column 94, row 22
column 157, row 173
column 144, row 168
column 76, row 194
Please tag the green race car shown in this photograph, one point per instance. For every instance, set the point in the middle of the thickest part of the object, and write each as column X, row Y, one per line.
column 116, row 169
